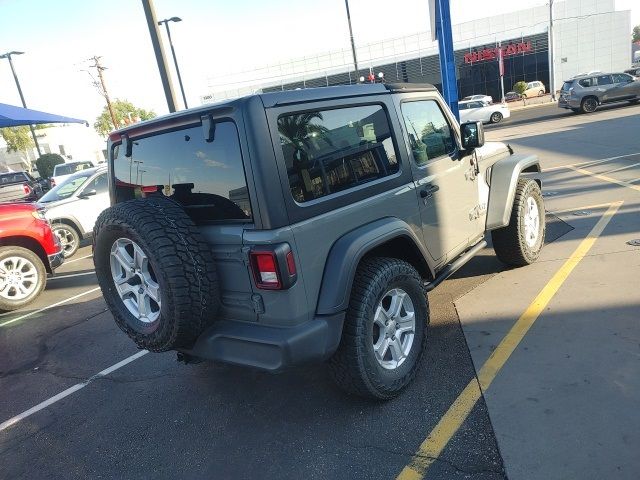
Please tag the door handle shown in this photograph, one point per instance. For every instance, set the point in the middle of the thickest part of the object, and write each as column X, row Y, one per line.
column 429, row 190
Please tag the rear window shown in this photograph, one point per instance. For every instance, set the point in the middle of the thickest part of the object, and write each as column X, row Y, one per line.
column 7, row 178
column 330, row 151
column 207, row 178
column 566, row 86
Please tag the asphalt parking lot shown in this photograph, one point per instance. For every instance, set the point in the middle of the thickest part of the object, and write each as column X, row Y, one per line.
column 530, row 373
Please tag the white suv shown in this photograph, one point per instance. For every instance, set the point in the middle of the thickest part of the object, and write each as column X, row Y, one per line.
column 62, row 171
column 73, row 206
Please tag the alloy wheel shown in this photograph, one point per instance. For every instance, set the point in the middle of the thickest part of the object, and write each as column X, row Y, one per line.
column 135, row 280
column 394, row 327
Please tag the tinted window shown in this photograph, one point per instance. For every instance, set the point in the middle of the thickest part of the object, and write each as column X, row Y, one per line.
column 587, row 82
column 207, row 178
column 622, row 78
column 565, row 86
column 463, row 106
column 62, row 170
column 604, row 80
column 100, row 184
column 430, row 135
column 13, row 178
column 333, row 150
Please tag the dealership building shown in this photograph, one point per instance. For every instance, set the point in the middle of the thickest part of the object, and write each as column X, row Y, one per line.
column 588, row 35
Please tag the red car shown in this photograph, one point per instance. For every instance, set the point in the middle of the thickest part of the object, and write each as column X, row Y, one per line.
column 28, row 251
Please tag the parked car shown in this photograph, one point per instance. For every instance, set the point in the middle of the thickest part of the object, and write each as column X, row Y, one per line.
column 479, row 112
column 633, row 71
column 19, row 186
column 481, row 98
column 512, row 97
column 73, row 206
column 28, row 252
column 585, row 93
column 534, row 89
column 65, row 170
column 292, row 217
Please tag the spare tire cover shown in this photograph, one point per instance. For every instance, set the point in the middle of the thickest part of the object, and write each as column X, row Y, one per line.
column 156, row 272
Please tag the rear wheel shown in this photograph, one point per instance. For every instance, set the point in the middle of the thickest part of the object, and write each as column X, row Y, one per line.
column 520, row 242
column 540, row 93
column 22, row 277
column 385, row 330
column 496, row 117
column 524, row 95
column 69, row 238
column 588, row 105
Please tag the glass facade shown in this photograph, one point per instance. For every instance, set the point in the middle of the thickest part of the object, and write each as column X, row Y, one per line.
column 474, row 77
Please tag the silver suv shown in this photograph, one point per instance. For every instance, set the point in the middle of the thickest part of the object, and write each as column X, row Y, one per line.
column 585, row 93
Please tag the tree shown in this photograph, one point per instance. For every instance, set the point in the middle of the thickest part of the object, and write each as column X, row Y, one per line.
column 46, row 162
column 520, row 87
column 125, row 113
column 635, row 36
column 18, row 138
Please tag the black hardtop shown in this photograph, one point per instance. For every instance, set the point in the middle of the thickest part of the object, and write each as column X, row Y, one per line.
column 285, row 97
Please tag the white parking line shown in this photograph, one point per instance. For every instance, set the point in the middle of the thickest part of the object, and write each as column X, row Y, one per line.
column 76, row 259
column 35, row 312
column 58, row 277
column 78, row 386
column 588, row 163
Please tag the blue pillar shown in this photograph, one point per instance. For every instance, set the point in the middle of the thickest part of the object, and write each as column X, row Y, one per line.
column 447, row 60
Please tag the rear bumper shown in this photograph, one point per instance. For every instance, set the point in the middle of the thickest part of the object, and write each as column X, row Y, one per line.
column 56, row 260
column 568, row 103
column 269, row 348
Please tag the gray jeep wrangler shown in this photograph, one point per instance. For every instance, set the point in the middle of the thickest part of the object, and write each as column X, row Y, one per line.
column 306, row 226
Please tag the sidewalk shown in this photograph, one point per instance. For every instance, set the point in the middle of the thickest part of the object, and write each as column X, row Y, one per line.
column 530, row 102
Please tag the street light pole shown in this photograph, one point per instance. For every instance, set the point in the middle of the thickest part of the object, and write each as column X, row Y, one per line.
column 15, row 77
column 353, row 45
column 150, row 14
column 552, row 80
column 173, row 53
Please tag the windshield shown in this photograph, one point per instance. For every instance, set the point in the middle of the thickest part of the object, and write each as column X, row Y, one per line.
column 66, row 188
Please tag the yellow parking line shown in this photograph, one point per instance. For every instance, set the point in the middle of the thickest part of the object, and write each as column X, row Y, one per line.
column 437, row 440
column 606, row 178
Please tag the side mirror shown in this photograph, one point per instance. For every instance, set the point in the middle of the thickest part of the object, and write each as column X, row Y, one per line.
column 472, row 134
column 87, row 194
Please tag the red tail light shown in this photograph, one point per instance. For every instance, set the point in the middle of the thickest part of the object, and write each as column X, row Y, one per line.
column 265, row 270
column 273, row 266
column 27, row 189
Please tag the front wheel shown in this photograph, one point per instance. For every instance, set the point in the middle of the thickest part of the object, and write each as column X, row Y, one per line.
column 22, row 277
column 385, row 330
column 541, row 93
column 519, row 243
column 496, row 117
column 69, row 238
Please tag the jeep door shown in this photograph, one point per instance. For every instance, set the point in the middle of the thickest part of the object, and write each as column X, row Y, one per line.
column 445, row 179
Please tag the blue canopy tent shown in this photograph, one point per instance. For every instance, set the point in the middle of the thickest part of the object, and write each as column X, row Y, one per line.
column 11, row 116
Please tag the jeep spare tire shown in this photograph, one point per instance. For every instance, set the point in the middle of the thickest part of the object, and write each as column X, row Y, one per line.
column 156, row 273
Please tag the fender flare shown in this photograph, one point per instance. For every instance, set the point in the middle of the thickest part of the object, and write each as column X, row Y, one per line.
column 504, row 179
column 346, row 253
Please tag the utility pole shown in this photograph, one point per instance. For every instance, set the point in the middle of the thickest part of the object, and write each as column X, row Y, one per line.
column 152, row 23
column 104, row 91
column 552, row 80
column 15, row 77
column 353, row 45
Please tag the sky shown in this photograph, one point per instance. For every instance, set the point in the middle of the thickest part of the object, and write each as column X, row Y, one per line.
column 215, row 36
